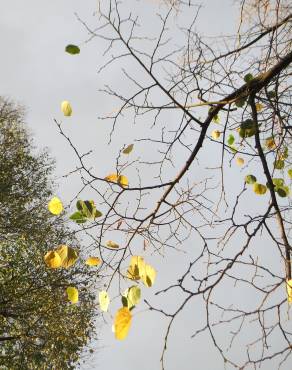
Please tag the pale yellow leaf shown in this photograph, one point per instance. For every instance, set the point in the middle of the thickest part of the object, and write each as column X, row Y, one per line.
column 289, row 290
column 68, row 255
column 149, row 275
column 72, row 293
column 136, row 268
column 239, row 161
column 112, row 244
column 66, row 108
column 55, row 206
column 93, row 261
column 104, row 300
column 53, row 260
column 122, row 323
column 215, row 134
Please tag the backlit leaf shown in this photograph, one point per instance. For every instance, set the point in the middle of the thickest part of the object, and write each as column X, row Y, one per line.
column 136, row 268
column 289, row 290
column 104, row 300
column 72, row 294
column 133, row 295
column 239, row 161
column 112, row 244
column 259, row 107
column 53, row 260
column 290, row 173
column 113, row 177
column 215, row 134
column 122, row 323
column 93, row 261
column 123, row 181
column 55, row 206
column 68, row 255
column 279, row 164
column 66, row 108
column 250, row 179
column 259, row 189
column 270, row 143
column 149, row 275
column 78, row 218
column 72, row 49
column 230, row 139
column 128, row 149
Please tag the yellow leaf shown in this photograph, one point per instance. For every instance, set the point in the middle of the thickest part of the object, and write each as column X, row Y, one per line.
column 93, row 261
column 104, row 301
column 148, row 276
column 72, row 294
column 270, row 143
column 68, row 255
column 112, row 244
column 53, row 260
column 123, row 181
column 55, row 206
column 133, row 295
column 128, row 149
column 239, row 161
column 259, row 107
column 113, row 177
column 66, row 108
column 122, row 323
column 215, row 134
column 259, row 188
column 136, row 268
column 289, row 290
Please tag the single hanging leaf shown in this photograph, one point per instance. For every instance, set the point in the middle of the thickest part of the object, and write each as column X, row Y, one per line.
column 215, row 134
column 53, row 260
column 259, row 189
column 72, row 294
column 250, row 179
column 290, row 173
column 112, row 244
column 72, row 49
column 66, row 108
column 148, row 276
column 239, row 161
column 282, row 191
column 93, row 261
column 122, row 323
column 123, row 181
column 113, row 177
column 55, row 206
column 270, row 143
column 230, row 139
column 259, row 107
column 133, row 295
column 289, row 290
column 248, row 78
column 104, row 300
column 216, row 118
column 136, row 268
column 68, row 255
column 128, row 149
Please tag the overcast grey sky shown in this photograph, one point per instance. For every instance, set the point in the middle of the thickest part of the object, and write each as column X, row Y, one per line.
column 36, row 72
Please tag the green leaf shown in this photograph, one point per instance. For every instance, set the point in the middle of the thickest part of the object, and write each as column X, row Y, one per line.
column 279, row 164
column 290, row 173
column 247, row 128
column 216, row 118
column 278, row 182
column 259, row 189
column 230, row 139
column 282, row 192
column 240, row 102
column 248, row 78
column 97, row 214
column 250, row 179
column 78, row 217
column 72, row 49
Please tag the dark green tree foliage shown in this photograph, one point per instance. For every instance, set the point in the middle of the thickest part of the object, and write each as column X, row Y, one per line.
column 39, row 328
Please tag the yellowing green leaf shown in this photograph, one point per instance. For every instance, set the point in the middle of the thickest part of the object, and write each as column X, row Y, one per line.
column 279, row 164
column 133, row 295
column 112, row 244
column 72, row 294
column 290, row 173
column 93, row 261
column 128, row 149
column 259, row 189
column 55, row 206
column 148, row 276
column 72, row 49
column 104, row 300
column 215, row 134
column 289, row 290
column 239, row 161
column 123, row 181
column 66, row 108
column 122, row 323
column 68, row 255
column 53, row 260
column 250, row 179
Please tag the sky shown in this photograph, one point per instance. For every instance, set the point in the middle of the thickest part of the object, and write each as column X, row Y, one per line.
column 36, row 72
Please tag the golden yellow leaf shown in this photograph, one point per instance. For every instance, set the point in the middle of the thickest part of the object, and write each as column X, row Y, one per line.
column 112, row 244
column 270, row 143
column 149, row 275
column 123, row 181
column 104, row 301
column 289, row 290
column 128, row 149
column 215, row 134
column 113, row 177
column 239, row 161
column 53, row 260
column 259, row 107
column 136, row 268
column 66, row 108
column 55, row 206
column 72, row 293
column 68, row 255
column 122, row 323
column 93, row 261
